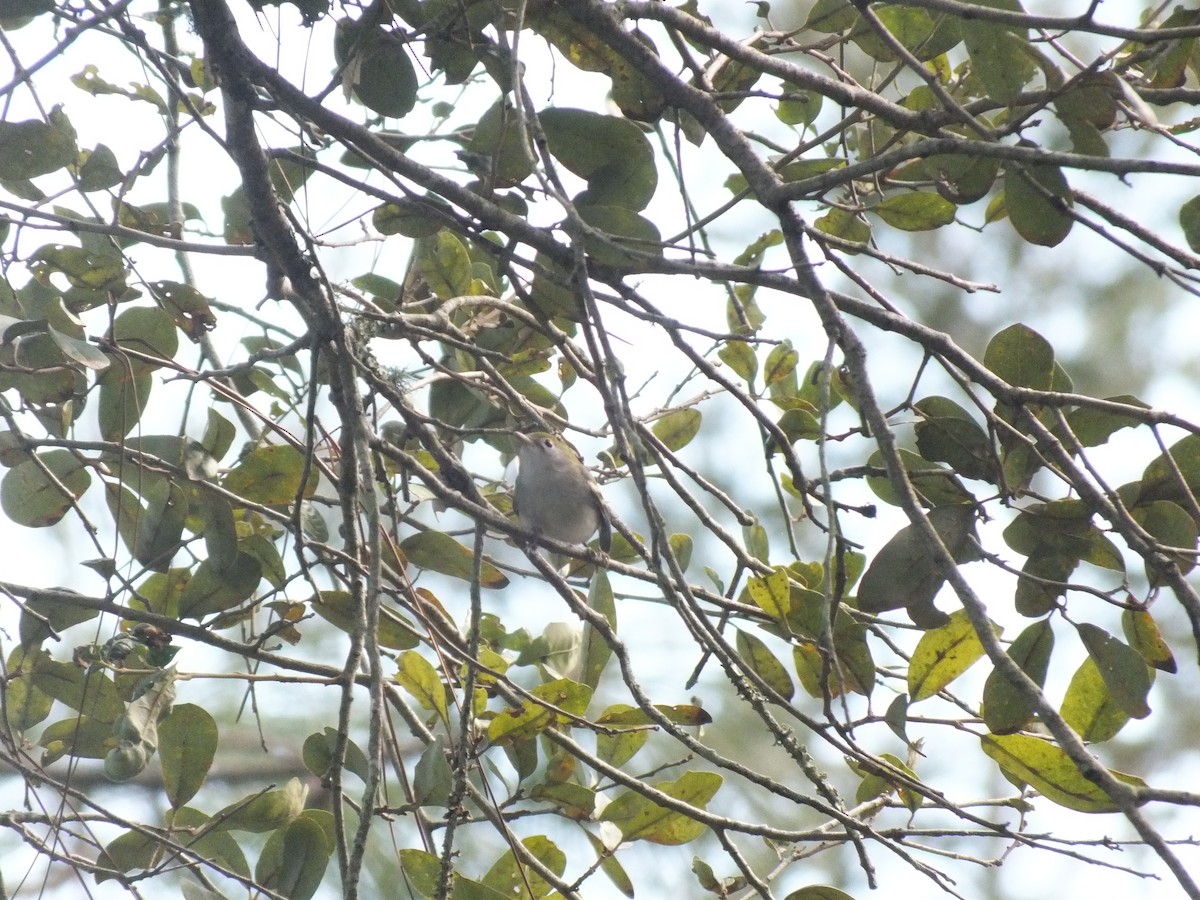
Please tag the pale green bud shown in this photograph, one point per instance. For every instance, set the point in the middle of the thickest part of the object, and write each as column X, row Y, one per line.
column 555, row 493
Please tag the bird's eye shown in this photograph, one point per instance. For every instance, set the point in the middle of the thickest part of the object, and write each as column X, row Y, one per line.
column 547, row 444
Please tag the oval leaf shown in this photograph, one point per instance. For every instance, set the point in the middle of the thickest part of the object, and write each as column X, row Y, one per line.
column 942, row 655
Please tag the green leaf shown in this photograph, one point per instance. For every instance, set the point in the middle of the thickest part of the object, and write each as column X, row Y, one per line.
column 39, row 491
column 1160, row 481
column 942, row 655
column 921, row 211
column 340, row 609
column 1144, row 636
column 641, row 819
column 317, row 753
column 610, row 153
column 1189, row 221
column 1050, row 772
column 187, row 747
column 512, row 878
column 532, row 718
column 265, row 810
column 936, row 485
column 596, row 651
column 214, row 588
column 676, row 429
column 498, row 137
column 1124, row 671
column 1022, row 357
column 948, row 433
column 1006, row 709
column 377, row 64
column 438, row 552
column 844, row 224
column 754, row 653
column 293, row 860
column 622, row 715
column 1172, row 527
column 1093, row 427
column 44, row 617
column 622, row 228
column 33, row 147
column 781, row 363
column 418, row 676
column 773, row 594
column 1088, row 705
column 1000, row 59
column 444, row 264
column 123, row 395
column 82, row 737
column 818, row 892
column 903, row 574
column 1035, row 197
column 740, row 357
column 797, row 107
column 273, row 475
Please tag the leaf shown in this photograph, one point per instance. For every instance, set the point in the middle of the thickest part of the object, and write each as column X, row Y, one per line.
column 942, row 655
column 948, row 433
column 532, row 718
column 772, row 593
column 123, row 395
column 272, row 475
column 620, row 228
column 818, row 892
column 1022, row 357
column 340, row 609
column 1189, row 221
column 622, row 716
column 444, row 264
column 187, row 747
column 213, row 588
column 39, row 491
column 935, row 484
column 294, row 858
column 781, row 363
column 999, row 58
column 676, row 429
column 92, row 694
column 317, row 753
column 1006, row 709
column 754, row 653
column 920, row 211
column 438, row 552
column 377, row 65
column 610, row 153
column 1093, row 427
column 1144, row 636
column 1049, row 771
column 740, row 357
column 33, row 147
column 43, row 617
column 596, row 652
column 1124, row 671
column 422, row 681
column 264, row 811
column 1160, row 481
column 1088, row 706
column 1171, row 526
column 512, row 878
column 1036, row 197
column 903, row 573
column 498, row 138
column 641, row 819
